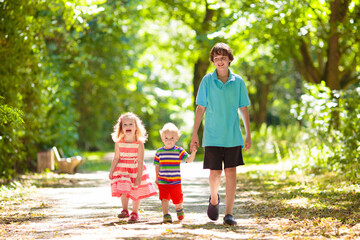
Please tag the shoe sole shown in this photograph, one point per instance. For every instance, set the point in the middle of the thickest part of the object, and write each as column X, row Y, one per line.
column 212, row 208
column 229, row 224
column 231, row 220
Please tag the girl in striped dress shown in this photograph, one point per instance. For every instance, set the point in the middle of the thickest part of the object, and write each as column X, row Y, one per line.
column 128, row 175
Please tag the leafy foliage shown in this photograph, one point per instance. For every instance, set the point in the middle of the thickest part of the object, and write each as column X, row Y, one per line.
column 319, row 36
column 10, row 149
column 338, row 148
column 20, row 86
column 69, row 68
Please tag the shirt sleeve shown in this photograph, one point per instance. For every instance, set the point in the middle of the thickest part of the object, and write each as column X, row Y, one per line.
column 201, row 94
column 182, row 154
column 244, row 97
column 156, row 159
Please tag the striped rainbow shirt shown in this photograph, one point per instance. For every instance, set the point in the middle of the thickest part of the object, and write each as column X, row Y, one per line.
column 169, row 161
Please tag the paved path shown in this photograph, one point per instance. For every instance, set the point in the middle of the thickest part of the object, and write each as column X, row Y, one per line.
column 87, row 211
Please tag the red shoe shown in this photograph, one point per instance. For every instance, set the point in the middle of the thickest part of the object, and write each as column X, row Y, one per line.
column 124, row 214
column 134, row 217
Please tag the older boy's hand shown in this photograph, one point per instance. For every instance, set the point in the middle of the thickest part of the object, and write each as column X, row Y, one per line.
column 194, row 143
column 247, row 143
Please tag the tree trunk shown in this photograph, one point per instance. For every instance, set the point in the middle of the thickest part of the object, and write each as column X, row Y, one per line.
column 331, row 74
column 259, row 106
column 200, row 69
column 339, row 9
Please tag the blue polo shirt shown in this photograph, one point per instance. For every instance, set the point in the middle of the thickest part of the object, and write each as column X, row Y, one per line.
column 222, row 102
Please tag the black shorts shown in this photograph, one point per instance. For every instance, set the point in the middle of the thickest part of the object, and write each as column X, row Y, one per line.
column 215, row 156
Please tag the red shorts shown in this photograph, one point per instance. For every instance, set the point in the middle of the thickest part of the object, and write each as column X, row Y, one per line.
column 171, row 192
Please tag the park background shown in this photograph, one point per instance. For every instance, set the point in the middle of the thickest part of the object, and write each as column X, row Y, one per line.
column 68, row 69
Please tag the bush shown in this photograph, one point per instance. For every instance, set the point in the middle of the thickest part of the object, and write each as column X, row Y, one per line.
column 331, row 118
column 10, row 146
column 270, row 144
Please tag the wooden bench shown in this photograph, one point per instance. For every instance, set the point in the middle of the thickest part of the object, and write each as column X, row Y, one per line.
column 67, row 165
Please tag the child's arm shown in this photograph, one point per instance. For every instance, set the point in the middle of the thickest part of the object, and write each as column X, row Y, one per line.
column 199, row 113
column 191, row 157
column 245, row 117
column 157, row 169
column 114, row 161
column 140, row 164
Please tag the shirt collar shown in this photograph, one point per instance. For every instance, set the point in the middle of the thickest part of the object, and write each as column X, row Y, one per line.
column 169, row 148
column 231, row 76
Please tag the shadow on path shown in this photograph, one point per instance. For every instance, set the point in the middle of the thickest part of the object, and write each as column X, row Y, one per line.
column 87, row 211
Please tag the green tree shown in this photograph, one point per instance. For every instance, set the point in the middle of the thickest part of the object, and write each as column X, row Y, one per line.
column 20, row 83
column 204, row 18
column 320, row 36
column 271, row 88
column 34, row 39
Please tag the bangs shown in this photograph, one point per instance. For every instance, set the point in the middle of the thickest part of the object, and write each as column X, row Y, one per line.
column 221, row 51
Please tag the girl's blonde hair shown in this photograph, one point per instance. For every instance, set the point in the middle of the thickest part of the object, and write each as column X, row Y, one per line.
column 170, row 127
column 140, row 133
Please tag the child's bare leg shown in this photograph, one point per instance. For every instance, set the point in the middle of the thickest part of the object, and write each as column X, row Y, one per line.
column 178, row 206
column 135, row 209
column 179, row 211
column 230, row 189
column 165, row 206
column 136, row 205
column 124, row 202
column 214, row 182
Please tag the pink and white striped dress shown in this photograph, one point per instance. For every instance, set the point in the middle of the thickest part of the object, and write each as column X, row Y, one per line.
column 126, row 171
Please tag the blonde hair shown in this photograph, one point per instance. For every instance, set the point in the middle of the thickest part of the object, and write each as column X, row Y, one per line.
column 170, row 127
column 140, row 133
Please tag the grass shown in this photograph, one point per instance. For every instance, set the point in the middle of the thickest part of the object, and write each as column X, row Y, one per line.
column 95, row 165
column 17, row 204
column 303, row 205
column 94, row 162
column 255, row 159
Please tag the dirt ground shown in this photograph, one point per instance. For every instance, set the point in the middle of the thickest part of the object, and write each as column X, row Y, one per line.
column 84, row 209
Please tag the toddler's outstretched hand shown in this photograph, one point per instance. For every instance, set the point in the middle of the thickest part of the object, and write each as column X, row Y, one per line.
column 191, row 158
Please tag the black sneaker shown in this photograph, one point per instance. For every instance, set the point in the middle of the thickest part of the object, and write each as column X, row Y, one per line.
column 229, row 220
column 213, row 211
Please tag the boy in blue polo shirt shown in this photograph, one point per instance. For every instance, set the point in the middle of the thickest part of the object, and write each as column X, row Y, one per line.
column 221, row 94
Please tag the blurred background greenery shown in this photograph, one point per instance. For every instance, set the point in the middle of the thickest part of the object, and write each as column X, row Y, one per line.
column 69, row 68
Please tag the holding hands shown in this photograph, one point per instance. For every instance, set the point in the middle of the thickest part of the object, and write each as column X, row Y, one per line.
column 194, row 143
column 191, row 158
